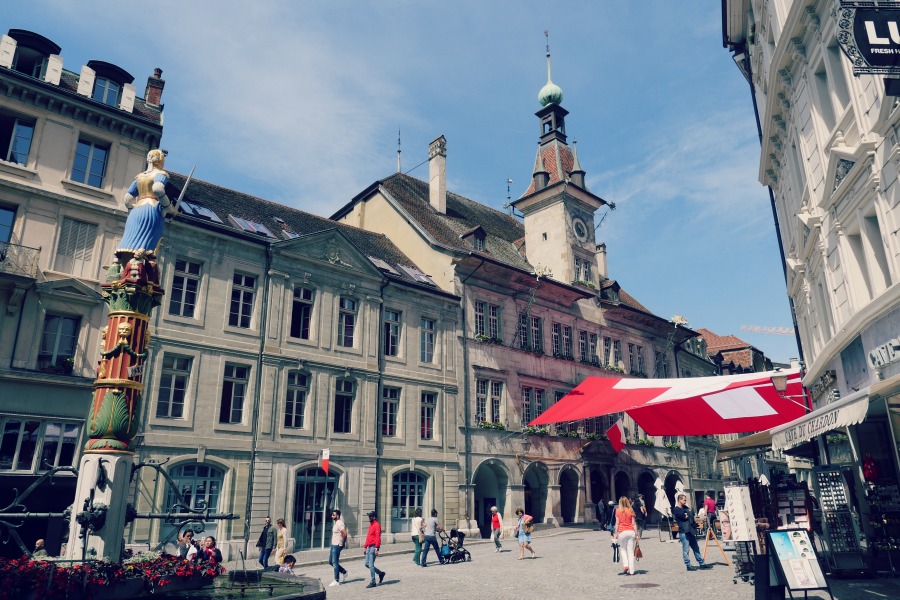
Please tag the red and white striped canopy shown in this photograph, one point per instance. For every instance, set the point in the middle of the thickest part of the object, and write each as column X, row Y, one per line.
column 690, row 406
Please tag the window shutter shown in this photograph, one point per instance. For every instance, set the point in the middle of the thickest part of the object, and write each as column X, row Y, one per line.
column 86, row 81
column 54, row 69
column 127, row 103
column 65, row 248
column 7, row 51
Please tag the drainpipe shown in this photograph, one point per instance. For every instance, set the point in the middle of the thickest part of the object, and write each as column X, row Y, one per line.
column 254, row 427
column 466, row 414
column 379, row 440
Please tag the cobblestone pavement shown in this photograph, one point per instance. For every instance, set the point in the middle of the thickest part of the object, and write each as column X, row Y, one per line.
column 570, row 563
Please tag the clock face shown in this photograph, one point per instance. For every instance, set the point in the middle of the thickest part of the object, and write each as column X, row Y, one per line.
column 581, row 230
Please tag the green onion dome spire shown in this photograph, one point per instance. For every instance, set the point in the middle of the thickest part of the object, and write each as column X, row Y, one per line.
column 550, row 93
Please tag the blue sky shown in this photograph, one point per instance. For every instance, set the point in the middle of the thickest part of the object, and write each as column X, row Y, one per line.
column 300, row 102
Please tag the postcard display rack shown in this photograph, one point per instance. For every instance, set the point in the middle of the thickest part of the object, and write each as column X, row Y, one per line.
column 743, row 529
column 793, row 507
column 840, row 530
column 884, row 519
column 795, row 561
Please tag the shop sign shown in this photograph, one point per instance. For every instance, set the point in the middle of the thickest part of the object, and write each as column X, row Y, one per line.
column 884, row 354
column 869, row 34
column 819, row 422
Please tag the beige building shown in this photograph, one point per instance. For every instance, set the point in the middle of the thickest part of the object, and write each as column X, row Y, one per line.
column 540, row 314
column 70, row 143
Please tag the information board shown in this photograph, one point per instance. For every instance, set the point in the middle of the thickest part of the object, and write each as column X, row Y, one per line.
column 796, row 559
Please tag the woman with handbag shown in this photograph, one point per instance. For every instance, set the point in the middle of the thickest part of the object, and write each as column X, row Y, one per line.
column 281, row 544
column 524, row 527
column 417, row 529
column 625, row 533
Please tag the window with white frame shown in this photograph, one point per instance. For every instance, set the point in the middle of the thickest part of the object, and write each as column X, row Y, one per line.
column 391, row 332
column 617, row 353
column 106, row 91
column 488, row 397
column 89, row 166
column 662, row 366
column 480, row 318
column 556, row 339
column 75, row 248
column 343, row 405
column 173, row 383
column 346, row 322
column 563, row 428
column 537, row 335
column 58, row 342
column 16, row 134
column 523, row 331
column 295, row 400
column 592, row 347
column 427, row 413
column 494, row 321
column 33, row 445
column 234, row 391
column 532, row 403
column 567, row 341
column 583, row 346
column 607, row 349
column 632, row 360
column 185, row 288
column 199, row 487
column 640, row 359
column 408, row 493
column 301, row 313
column 583, row 271
column 390, row 408
column 427, row 333
column 243, row 291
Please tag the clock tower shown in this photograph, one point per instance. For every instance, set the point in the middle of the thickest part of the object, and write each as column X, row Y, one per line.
column 557, row 206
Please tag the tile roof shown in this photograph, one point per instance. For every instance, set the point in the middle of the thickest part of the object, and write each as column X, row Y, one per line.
column 717, row 343
column 742, row 358
column 224, row 202
column 558, row 161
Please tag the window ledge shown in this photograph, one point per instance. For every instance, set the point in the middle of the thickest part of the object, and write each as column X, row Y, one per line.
column 17, row 169
column 247, row 332
column 180, row 423
column 298, row 432
column 89, row 190
column 190, row 321
column 231, row 427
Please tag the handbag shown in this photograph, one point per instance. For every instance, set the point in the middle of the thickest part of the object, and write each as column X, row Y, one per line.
column 637, row 551
column 529, row 526
column 421, row 538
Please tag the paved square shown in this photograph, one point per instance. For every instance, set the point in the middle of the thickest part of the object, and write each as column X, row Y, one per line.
column 571, row 563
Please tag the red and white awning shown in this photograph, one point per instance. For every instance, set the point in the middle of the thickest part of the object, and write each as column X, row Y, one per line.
column 690, row 406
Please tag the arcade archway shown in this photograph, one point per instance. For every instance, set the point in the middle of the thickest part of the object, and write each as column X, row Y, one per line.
column 491, row 485
column 536, row 481
column 623, row 485
column 568, row 495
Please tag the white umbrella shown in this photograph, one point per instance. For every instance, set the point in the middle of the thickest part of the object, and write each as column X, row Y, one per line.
column 763, row 480
column 661, row 503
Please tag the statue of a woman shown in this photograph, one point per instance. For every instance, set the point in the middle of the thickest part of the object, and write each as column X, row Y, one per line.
column 149, row 205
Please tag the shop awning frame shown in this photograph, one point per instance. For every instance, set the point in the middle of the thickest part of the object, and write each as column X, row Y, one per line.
column 849, row 410
column 749, row 444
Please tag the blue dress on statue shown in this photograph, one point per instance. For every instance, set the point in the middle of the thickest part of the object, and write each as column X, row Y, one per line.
column 144, row 226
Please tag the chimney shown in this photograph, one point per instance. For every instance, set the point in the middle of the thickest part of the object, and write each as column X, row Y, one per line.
column 437, row 174
column 601, row 262
column 155, row 85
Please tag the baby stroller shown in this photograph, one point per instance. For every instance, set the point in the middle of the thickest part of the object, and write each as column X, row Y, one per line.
column 452, row 548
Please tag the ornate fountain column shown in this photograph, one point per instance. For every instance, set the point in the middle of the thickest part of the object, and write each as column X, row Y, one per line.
column 131, row 291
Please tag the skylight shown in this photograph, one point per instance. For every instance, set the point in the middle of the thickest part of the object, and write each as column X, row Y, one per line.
column 251, row 226
column 289, row 235
column 417, row 275
column 195, row 210
column 383, row 265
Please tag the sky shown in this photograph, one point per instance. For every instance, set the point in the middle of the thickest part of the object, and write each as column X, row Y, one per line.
column 301, row 102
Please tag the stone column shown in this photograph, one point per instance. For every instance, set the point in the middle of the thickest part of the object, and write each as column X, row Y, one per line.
column 581, row 510
column 551, row 508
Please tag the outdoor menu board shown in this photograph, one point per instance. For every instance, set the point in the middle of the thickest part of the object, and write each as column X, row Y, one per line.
column 796, row 559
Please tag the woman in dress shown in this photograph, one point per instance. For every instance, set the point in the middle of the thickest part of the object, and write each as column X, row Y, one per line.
column 281, row 543
column 625, row 534
column 416, row 529
column 523, row 537
column 149, row 205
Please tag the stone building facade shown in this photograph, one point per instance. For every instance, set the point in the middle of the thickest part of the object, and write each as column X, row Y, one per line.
column 70, row 143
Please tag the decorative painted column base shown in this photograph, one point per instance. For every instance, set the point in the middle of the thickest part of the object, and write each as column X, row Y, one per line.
column 107, row 477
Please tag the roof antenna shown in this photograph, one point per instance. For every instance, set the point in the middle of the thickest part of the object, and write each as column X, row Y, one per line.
column 398, row 150
column 508, row 197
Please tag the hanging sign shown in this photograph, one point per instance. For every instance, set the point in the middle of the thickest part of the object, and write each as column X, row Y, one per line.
column 869, row 34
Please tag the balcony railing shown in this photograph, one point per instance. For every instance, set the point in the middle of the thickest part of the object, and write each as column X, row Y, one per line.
column 19, row 260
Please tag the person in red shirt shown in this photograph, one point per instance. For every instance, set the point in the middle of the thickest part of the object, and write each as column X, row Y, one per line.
column 496, row 527
column 710, row 505
column 371, row 547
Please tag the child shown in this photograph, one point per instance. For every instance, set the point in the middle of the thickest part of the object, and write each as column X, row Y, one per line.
column 288, row 565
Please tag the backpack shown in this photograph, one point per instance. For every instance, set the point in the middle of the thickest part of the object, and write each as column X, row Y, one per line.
column 528, row 525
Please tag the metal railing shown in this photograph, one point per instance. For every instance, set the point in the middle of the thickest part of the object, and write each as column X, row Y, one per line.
column 19, row 260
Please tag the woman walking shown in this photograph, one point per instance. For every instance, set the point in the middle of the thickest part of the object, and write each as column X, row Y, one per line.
column 417, row 529
column 523, row 533
column 281, row 541
column 432, row 527
column 624, row 533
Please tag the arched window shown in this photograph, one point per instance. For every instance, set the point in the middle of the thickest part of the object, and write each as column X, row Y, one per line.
column 408, row 491
column 315, row 494
column 199, row 488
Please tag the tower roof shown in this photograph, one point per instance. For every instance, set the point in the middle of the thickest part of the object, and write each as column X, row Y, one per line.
column 550, row 93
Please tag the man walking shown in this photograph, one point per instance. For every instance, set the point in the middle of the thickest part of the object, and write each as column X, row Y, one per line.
column 710, row 505
column 684, row 516
column 371, row 547
column 640, row 514
column 266, row 543
column 496, row 528
column 338, row 541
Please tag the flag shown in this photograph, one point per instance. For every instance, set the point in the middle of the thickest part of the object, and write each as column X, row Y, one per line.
column 325, row 455
column 616, row 435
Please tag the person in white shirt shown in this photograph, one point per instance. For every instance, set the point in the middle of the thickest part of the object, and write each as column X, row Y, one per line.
column 338, row 541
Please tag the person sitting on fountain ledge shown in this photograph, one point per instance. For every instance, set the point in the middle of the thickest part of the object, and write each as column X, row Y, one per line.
column 288, row 565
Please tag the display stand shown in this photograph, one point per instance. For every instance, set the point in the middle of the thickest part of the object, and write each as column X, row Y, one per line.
column 744, row 562
column 840, row 531
column 796, row 561
column 884, row 519
column 793, row 506
column 740, row 513
column 711, row 534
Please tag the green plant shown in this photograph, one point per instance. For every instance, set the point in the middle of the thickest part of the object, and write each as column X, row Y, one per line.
column 491, row 425
column 536, row 430
column 573, row 434
column 644, row 442
column 596, row 436
column 836, row 438
column 589, row 284
column 673, row 445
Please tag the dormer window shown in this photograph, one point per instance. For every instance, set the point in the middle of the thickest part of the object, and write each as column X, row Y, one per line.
column 477, row 237
column 106, row 91
column 32, row 52
column 478, row 243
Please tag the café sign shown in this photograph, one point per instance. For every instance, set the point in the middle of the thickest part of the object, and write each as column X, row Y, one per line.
column 846, row 411
column 869, row 34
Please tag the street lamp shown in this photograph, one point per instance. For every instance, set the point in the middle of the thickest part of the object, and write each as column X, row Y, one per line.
column 779, row 382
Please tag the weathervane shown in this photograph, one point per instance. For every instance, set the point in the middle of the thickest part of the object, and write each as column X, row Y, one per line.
column 547, row 35
column 398, row 150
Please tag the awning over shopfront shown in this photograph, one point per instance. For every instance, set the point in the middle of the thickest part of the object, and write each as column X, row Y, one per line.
column 749, row 444
column 690, row 406
column 849, row 410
